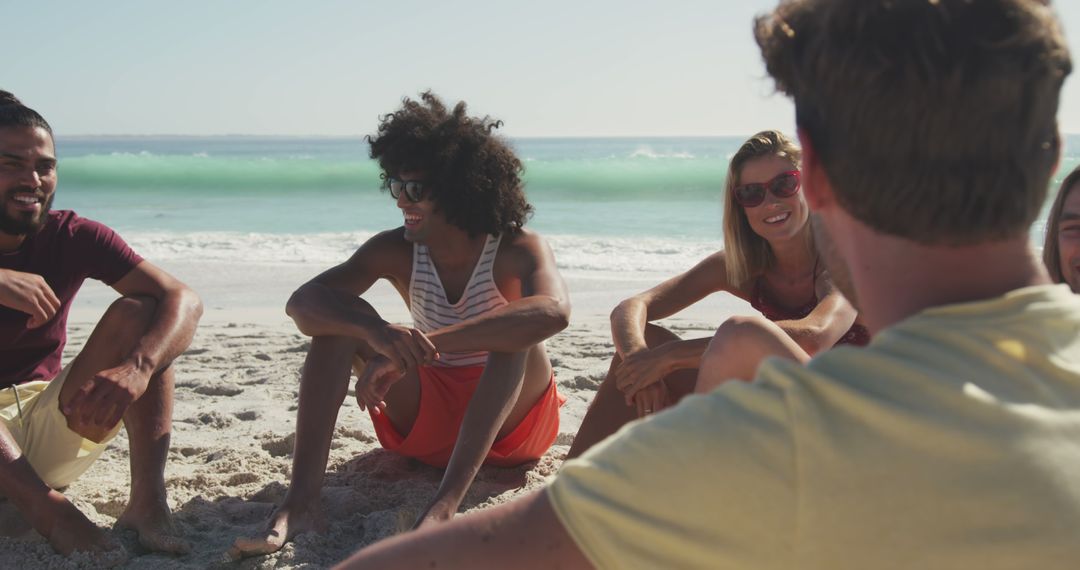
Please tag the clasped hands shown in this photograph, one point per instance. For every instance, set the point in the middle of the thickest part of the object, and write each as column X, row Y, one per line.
column 640, row 378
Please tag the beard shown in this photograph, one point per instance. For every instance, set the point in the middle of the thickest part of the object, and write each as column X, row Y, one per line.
column 23, row 223
column 834, row 262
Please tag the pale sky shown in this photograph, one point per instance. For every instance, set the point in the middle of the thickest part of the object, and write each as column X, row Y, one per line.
column 276, row 67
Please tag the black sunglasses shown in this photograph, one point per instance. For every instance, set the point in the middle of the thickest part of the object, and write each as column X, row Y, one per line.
column 414, row 189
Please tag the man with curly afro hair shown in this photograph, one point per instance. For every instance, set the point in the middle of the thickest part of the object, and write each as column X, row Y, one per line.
column 469, row 383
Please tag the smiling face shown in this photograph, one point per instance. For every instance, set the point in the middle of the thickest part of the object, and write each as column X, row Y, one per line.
column 1069, row 238
column 775, row 218
column 27, row 178
column 422, row 221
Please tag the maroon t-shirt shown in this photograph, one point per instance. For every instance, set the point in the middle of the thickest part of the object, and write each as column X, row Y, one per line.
column 66, row 251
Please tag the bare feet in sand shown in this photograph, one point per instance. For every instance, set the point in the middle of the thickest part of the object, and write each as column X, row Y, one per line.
column 68, row 530
column 284, row 524
column 154, row 525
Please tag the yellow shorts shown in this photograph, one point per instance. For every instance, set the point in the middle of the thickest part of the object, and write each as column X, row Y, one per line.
column 56, row 453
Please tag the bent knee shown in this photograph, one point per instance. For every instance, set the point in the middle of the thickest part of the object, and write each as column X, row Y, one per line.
column 738, row 331
column 132, row 309
column 126, row 319
column 744, row 324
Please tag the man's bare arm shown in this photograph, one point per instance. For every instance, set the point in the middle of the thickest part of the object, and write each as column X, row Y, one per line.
column 525, row 534
column 329, row 304
column 178, row 312
column 102, row 401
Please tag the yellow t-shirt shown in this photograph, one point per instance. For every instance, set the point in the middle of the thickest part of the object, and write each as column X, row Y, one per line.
column 951, row 441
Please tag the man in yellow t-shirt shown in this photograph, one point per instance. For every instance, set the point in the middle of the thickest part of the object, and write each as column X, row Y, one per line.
column 953, row 440
column 923, row 451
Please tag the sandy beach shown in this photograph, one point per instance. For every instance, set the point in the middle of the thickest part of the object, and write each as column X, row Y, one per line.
column 236, row 400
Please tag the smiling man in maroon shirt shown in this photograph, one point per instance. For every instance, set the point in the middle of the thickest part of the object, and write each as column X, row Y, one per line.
column 55, row 422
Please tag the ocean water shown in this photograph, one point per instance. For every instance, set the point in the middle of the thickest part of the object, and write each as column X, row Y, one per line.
column 646, row 206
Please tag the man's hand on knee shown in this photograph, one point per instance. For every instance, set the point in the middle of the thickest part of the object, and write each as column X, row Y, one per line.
column 101, row 402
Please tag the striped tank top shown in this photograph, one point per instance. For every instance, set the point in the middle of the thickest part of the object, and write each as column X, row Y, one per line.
column 431, row 311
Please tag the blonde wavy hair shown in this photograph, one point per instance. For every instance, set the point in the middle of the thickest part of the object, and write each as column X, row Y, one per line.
column 746, row 254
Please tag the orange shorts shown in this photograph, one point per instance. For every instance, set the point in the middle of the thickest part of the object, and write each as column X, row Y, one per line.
column 444, row 394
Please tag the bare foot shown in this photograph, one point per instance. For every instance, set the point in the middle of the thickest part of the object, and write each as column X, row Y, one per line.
column 284, row 524
column 155, row 528
column 68, row 530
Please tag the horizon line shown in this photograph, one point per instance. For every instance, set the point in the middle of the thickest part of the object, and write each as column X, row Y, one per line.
column 356, row 136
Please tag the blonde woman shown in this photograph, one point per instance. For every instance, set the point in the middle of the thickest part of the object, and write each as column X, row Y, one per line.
column 1061, row 252
column 769, row 260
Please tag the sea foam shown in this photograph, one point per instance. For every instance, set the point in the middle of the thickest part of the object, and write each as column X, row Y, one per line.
column 603, row 256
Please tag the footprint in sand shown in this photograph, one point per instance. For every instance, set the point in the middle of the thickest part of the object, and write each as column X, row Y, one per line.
column 189, row 451
column 113, row 507
column 242, row 479
column 240, row 512
column 218, row 390
column 581, row 383
column 280, row 446
column 356, row 434
column 213, row 419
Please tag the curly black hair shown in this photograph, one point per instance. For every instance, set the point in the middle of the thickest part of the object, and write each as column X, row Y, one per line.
column 472, row 175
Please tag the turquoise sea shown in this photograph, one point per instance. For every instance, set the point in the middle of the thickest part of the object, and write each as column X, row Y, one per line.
column 648, row 205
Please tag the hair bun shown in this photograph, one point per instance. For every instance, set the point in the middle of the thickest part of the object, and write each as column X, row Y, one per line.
column 8, row 98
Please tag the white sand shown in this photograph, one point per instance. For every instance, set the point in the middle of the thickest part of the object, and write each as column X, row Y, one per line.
column 233, row 428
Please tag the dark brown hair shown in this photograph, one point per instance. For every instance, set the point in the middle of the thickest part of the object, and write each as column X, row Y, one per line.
column 14, row 114
column 473, row 176
column 935, row 120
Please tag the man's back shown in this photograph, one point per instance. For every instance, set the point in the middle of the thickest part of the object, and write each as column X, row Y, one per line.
column 952, row 441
